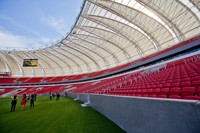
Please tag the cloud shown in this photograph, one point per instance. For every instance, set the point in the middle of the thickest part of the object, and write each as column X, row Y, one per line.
column 9, row 39
column 4, row 17
column 56, row 23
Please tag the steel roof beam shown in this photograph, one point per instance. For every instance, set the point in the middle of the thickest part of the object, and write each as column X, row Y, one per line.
column 106, row 40
column 121, row 34
column 128, row 20
column 92, row 52
column 82, row 54
column 117, row 60
column 60, row 48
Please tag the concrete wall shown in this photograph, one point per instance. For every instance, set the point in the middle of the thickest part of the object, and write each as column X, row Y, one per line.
column 147, row 115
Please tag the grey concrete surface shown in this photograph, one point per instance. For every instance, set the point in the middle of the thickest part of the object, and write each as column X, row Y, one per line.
column 147, row 115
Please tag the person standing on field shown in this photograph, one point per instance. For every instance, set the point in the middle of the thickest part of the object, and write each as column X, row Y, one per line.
column 13, row 102
column 32, row 101
column 35, row 96
column 50, row 94
column 57, row 96
column 23, row 102
column 53, row 94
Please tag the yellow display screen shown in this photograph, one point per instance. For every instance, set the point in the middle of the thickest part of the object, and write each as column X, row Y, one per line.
column 30, row 62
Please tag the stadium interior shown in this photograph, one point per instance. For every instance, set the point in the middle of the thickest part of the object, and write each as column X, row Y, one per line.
column 135, row 61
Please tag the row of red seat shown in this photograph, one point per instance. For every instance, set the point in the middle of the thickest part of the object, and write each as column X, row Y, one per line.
column 174, row 92
column 178, row 79
column 7, row 90
column 5, row 74
column 35, row 89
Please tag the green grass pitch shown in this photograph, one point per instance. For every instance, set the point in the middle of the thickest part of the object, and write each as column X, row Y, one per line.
column 63, row 116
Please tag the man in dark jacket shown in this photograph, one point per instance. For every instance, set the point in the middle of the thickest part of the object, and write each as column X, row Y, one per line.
column 32, row 100
column 13, row 102
column 57, row 96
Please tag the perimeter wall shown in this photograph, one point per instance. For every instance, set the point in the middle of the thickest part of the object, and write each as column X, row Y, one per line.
column 147, row 115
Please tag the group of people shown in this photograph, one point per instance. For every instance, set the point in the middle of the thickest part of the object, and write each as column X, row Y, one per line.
column 32, row 98
column 24, row 100
column 52, row 95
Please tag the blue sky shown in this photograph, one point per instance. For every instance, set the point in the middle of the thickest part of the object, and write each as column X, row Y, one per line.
column 34, row 23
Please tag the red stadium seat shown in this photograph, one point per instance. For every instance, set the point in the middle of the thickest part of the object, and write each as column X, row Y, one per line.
column 186, row 83
column 192, row 97
column 175, row 91
column 175, row 97
column 155, row 92
column 162, row 96
column 166, row 85
column 175, row 84
column 187, row 91
column 164, row 92
column 196, row 82
column 198, row 91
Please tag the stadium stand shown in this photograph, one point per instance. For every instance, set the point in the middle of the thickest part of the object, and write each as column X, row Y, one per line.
column 179, row 79
column 176, row 79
